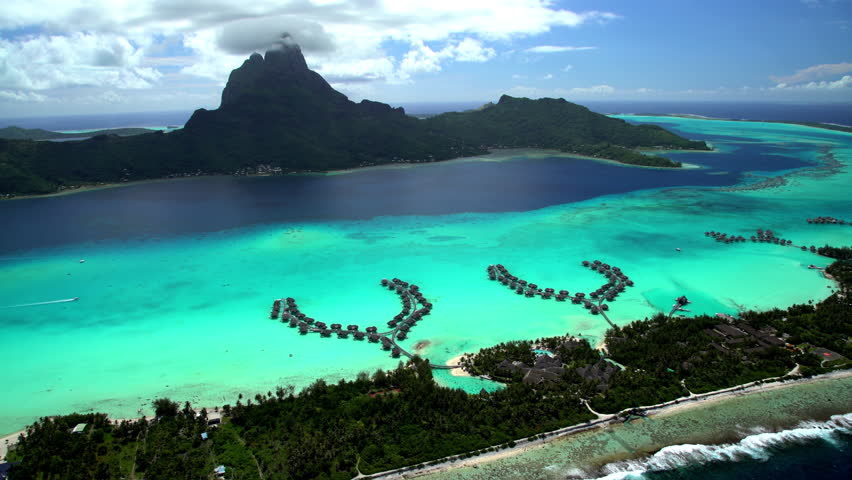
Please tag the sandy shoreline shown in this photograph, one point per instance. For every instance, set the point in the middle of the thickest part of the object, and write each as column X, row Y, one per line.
column 457, row 372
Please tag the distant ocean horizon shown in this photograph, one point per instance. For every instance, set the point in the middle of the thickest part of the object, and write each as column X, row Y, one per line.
column 836, row 113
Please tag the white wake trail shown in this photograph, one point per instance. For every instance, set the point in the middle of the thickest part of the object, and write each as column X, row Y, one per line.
column 64, row 300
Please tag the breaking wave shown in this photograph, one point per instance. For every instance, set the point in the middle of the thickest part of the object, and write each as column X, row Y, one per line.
column 757, row 447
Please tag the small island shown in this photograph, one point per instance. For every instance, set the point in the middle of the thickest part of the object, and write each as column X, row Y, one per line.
column 278, row 116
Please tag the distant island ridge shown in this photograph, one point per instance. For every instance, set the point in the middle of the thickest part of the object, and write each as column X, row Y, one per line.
column 277, row 115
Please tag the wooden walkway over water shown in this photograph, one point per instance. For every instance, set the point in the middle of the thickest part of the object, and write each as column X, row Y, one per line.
column 415, row 307
column 617, row 282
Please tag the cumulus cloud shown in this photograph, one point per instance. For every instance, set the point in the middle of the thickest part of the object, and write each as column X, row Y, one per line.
column 423, row 59
column 43, row 62
column 471, row 50
column 557, row 49
column 567, row 68
column 548, row 76
column 816, row 72
column 123, row 45
column 18, row 96
column 844, row 82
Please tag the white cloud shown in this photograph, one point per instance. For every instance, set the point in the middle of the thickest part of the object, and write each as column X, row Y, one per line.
column 594, row 90
column 557, row 49
column 43, row 62
column 18, row 96
column 348, row 39
column 843, row 82
column 816, row 72
column 548, row 76
column 422, row 59
column 567, row 68
column 471, row 50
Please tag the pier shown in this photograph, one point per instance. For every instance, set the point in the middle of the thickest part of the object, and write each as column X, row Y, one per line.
column 760, row 236
column 615, row 285
column 415, row 307
column 828, row 221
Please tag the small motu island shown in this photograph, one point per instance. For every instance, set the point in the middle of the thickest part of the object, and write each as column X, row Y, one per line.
column 278, row 116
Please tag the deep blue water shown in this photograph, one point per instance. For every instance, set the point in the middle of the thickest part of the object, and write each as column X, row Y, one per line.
column 161, row 209
column 816, row 460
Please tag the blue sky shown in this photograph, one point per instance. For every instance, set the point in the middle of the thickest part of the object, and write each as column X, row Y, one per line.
column 65, row 57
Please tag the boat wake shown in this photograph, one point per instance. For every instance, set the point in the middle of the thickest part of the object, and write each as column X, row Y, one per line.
column 65, row 300
column 759, row 447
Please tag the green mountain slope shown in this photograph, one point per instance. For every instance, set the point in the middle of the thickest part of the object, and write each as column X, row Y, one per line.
column 559, row 124
column 277, row 115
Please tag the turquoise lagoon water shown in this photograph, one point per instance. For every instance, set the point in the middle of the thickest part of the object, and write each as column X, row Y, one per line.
column 187, row 316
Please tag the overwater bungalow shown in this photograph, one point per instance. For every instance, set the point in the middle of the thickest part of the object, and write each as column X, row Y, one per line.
column 325, row 332
column 303, row 329
column 342, row 334
column 404, row 327
column 386, row 343
column 396, row 352
column 336, row 326
column 580, row 295
column 401, row 336
column 359, row 335
column 372, row 329
column 320, row 325
column 519, row 290
column 352, row 328
column 293, row 321
column 604, row 307
column 309, row 320
column 373, row 337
